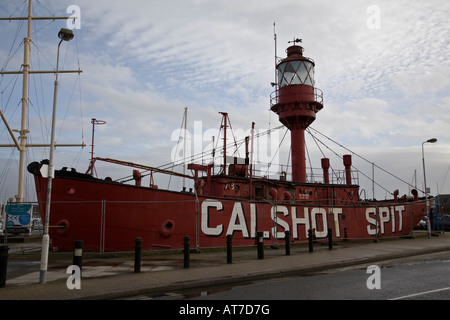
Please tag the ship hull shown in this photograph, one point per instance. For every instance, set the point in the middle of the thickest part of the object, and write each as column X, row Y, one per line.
column 109, row 216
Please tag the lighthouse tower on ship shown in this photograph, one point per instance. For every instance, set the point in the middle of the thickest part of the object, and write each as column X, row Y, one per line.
column 296, row 101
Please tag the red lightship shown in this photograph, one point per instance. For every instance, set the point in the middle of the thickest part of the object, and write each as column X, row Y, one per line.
column 109, row 215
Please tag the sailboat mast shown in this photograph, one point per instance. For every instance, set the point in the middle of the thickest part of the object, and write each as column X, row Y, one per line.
column 23, row 126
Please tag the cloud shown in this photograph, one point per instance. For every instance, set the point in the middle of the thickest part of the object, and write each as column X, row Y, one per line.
column 145, row 61
column 423, row 81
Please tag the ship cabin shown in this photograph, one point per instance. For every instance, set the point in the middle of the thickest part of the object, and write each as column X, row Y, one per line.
column 240, row 184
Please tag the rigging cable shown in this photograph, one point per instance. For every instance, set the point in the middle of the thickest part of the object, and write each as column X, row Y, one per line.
column 339, row 156
column 80, row 98
column 176, row 148
column 206, row 153
column 359, row 156
column 276, row 152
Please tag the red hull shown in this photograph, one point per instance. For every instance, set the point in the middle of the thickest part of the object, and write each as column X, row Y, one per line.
column 110, row 216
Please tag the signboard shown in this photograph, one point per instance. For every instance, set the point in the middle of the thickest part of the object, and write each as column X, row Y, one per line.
column 237, row 160
column 19, row 215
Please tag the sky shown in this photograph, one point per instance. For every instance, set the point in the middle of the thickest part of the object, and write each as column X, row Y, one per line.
column 383, row 68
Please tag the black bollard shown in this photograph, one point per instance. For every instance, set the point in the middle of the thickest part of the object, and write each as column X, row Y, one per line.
column 260, row 235
column 137, row 255
column 310, row 240
column 287, row 238
column 229, row 248
column 187, row 244
column 78, row 254
column 3, row 264
column 330, row 238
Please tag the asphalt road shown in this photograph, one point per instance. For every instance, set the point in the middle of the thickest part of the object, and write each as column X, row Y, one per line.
column 424, row 277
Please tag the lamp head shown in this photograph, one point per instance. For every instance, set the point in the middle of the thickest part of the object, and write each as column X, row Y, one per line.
column 432, row 140
column 65, row 34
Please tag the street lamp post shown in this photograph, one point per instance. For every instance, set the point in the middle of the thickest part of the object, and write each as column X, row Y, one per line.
column 64, row 35
column 432, row 140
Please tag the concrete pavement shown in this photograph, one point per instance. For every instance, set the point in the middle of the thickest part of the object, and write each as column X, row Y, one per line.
column 114, row 278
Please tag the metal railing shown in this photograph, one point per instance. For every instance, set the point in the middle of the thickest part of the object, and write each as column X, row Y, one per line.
column 275, row 96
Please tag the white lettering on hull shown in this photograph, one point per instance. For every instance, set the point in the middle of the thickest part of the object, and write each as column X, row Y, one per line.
column 299, row 221
column 206, row 229
column 316, row 219
column 237, row 214
column 324, row 227
column 336, row 212
column 279, row 222
column 385, row 215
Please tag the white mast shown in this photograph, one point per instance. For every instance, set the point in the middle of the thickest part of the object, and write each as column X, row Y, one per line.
column 23, row 126
column 184, row 150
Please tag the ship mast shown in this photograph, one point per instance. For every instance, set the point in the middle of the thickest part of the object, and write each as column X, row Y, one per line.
column 21, row 144
column 224, row 126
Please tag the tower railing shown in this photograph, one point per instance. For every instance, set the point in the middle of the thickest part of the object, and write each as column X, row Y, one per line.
column 275, row 96
column 318, row 95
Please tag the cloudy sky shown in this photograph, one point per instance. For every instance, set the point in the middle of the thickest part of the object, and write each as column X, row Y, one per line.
column 383, row 66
